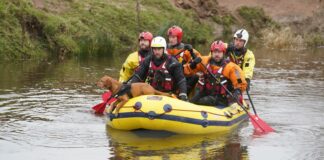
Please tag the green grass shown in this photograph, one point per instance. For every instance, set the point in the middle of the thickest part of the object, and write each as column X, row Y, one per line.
column 283, row 38
column 101, row 28
column 88, row 28
column 256, row 18
column 314, row 39
column 226, row 21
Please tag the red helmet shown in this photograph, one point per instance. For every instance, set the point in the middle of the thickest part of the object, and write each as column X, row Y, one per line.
column 218, row 45
column 146, row 35
column 175, row 31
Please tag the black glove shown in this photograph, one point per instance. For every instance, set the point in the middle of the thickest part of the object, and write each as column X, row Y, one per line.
column 248, row 84
column 125, row 82
column 230, row 47
column 194, row 63
column 237, row 93
column 183, row 97
column 187, row 47
column 183, row 62
column 190, row 49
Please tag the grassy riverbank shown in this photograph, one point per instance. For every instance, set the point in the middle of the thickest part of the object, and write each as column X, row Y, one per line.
column 87, row 28
column 37, row 29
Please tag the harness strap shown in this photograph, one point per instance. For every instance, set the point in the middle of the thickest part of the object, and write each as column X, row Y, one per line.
column 124, row 89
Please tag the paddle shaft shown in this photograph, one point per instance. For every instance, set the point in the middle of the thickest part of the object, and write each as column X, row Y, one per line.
column 247, row 92
column 113, row 96
column 179, row 52
column 257, row 122
column 229, row 92
column 193, row 55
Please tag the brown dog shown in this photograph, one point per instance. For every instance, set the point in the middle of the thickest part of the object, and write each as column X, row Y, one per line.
column 136, row 89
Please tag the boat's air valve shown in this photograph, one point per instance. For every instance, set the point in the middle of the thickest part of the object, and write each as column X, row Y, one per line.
column 151, row 115
column 167, row 108
column 204, row 122
column 137, row 106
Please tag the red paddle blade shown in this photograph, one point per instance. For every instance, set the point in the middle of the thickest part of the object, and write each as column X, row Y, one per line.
column 99, row 108
column 111, row 100
column 259, row 125
column 106, row 95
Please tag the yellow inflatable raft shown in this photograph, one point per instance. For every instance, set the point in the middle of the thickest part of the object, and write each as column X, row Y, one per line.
column 154, row 112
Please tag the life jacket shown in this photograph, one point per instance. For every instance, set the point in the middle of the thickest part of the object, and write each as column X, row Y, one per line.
column 125, row 89
column 159, row 77
column 237, row 59
column 179, row 56
column 210, row 86
column 140, row 60
column 177, row 52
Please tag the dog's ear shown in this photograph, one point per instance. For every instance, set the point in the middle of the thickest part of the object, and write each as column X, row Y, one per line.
column 114, row 85
column 107, row 82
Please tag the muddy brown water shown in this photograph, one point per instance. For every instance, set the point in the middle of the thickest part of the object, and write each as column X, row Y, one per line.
column 44, row 114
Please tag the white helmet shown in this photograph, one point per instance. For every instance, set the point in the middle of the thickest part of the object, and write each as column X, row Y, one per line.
column 242, row 34
column 159, row 42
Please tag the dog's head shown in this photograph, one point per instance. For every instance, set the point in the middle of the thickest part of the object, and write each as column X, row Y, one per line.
column 107, row 83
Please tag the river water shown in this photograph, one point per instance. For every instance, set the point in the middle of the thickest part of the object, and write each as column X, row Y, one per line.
column 45, row 114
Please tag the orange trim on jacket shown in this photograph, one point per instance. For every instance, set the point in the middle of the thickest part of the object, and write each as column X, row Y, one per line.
column 231, row 71
column 184, row 54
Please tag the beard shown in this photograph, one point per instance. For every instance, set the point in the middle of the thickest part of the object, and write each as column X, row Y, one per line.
column 144, row 47
column 238, row 46
column 217, row 58
column 157, row 57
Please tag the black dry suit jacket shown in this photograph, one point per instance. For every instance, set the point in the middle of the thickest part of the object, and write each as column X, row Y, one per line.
column 172, row 65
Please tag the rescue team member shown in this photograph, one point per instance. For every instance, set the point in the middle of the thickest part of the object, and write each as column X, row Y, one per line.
column 162, row 71
column 178, row 49
column 209, row 91
column 239, row 54
column 134, row 59
column 182, row 52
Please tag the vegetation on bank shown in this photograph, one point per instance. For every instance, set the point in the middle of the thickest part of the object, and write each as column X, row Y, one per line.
column 84, row 28
column 226, row 21
column 273, row 35
column 87, row 28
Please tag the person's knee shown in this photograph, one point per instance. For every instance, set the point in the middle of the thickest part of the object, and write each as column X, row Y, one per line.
column 191, row 83
column 207, row 100
column 192, row 80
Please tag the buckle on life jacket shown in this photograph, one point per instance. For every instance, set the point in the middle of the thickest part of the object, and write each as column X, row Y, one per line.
column 223, row 82
column 201, row 83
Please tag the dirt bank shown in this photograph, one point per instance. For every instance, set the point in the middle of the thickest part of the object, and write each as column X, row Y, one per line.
column 301, row 18
column 283, row 11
